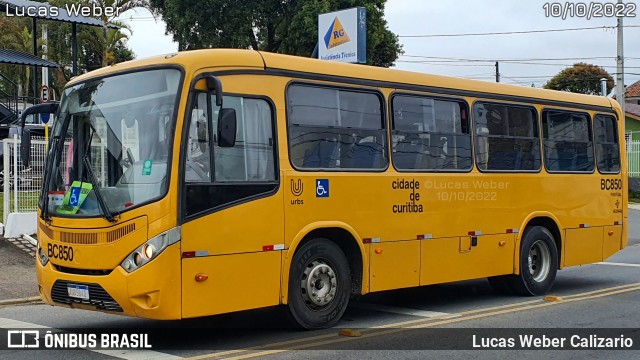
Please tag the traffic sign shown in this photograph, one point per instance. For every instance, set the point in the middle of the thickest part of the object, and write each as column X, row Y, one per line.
column 44, row 94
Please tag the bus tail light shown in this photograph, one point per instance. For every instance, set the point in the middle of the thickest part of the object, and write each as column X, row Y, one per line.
column 151, row 249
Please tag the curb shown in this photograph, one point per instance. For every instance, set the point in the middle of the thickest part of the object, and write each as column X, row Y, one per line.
column 634, row 206
column 33, row 241
column 19, row 300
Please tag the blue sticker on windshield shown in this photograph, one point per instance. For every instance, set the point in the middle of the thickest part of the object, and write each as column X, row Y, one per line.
column 74, row 197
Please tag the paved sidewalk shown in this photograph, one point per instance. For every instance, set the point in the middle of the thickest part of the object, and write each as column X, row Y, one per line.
column 634, row 206
column 24, row 245
column 17, row 272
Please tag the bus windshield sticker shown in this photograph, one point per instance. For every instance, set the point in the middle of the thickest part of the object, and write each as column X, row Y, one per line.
column 74, row 198
column 146, row 168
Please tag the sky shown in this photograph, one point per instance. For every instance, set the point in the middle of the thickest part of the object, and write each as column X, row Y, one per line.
column 520, row 55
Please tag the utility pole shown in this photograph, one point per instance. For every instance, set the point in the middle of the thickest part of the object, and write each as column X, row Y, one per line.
column 497, row 71
column 620, row 69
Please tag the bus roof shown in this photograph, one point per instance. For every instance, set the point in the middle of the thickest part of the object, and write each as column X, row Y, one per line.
column 258, row 60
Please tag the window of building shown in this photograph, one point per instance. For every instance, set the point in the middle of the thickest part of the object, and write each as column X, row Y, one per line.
column 506, row 137
column 607, row 147
column 335, row 128
column 430, row 134
column 567, row 141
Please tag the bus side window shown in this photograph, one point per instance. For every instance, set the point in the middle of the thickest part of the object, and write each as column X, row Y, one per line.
column 198, row 164
column 335, row 128
column 507, row 137
column 607, row 147
column 568, row 145
column 252, row 157
column 430, row 134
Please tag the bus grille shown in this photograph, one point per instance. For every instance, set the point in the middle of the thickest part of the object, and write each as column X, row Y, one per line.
column 98, row 297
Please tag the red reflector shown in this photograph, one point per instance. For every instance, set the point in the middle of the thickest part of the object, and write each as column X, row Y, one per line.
column 188, row 254
column 421, row 237
column 509, row 231
column 471, row 233
column 366, row 241
column 267, row 248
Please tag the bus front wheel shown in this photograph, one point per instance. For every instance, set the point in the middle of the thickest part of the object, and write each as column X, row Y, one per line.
column 538, row 263
column 319, row 284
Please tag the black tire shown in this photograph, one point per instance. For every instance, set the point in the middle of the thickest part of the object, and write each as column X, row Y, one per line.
column 538, row 263
column 325, row 260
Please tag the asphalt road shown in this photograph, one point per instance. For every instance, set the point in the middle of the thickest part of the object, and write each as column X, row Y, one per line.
column 596, row 296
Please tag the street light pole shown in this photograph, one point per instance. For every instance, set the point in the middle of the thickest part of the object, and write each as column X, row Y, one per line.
column 620, row 68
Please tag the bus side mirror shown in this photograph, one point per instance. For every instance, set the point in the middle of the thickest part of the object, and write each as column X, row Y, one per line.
column 227, row 124
column 210, row 84
column 47, row 108
column 25, row 147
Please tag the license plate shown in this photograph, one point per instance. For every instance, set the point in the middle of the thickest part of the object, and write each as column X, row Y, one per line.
column 78, row 291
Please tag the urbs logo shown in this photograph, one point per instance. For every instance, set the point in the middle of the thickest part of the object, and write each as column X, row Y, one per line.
column 336, row 35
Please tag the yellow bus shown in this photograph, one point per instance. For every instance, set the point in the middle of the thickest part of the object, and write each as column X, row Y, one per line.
column 214, row 181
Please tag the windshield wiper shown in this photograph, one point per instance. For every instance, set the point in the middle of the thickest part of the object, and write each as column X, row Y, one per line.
column 94, row 181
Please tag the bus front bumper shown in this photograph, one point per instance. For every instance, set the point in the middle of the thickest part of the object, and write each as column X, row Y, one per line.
column 153, row 291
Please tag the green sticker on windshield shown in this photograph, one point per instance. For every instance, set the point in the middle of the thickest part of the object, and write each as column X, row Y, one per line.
column 146, row 168
column 74, row 197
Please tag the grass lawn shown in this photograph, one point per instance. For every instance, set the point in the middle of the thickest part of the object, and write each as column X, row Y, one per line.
column 27, row 199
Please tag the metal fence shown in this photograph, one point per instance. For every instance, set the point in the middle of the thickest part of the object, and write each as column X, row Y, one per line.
column 633, row 153
column 21, row 186
column 24, row 196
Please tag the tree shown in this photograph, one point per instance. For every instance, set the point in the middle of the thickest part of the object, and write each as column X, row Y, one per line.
column 124, row 6
column 580, row 78
column 283, row 26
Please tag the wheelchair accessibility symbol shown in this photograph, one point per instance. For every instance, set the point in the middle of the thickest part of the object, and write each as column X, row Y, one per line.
column 322, row 187
column 74, row 199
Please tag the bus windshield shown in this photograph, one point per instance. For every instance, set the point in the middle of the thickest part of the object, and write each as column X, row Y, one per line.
column 109, row 150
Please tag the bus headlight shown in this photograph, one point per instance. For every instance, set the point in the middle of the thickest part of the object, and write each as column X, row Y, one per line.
column 151, row 249
column 44, row 259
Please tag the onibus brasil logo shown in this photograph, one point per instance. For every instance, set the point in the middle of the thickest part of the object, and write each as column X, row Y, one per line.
column 336, row 35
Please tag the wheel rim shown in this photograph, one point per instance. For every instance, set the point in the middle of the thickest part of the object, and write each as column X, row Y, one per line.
column 318, row 285
column 539, row 260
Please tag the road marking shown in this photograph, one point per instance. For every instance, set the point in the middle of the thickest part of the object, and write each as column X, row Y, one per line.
column 122, row 354
column 422, row 323
column 17, row 324
column 137, row 354
column 400, row 310
column 618, row 264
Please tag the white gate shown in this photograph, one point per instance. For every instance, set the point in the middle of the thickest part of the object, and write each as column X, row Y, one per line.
column 633, row 156
column 20, row 185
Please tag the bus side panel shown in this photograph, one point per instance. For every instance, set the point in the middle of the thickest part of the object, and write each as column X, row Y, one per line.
column 236, row 282
column 612, row 238
column 395, row 265
column 583, row 246
column 454, row 259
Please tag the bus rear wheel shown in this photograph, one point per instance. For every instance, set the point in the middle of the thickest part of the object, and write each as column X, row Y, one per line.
column 319, row 284
column 538, row 263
